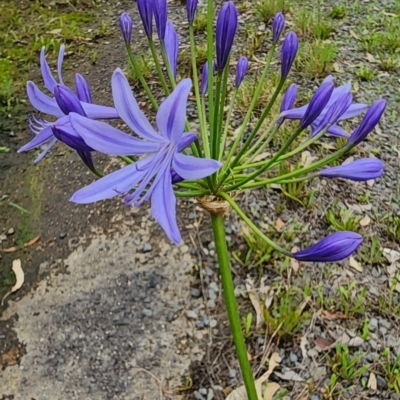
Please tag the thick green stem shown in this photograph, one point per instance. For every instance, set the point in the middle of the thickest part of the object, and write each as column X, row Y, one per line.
column 210, row 57
column 158, row 66
column 221, row 109
column 231, row 305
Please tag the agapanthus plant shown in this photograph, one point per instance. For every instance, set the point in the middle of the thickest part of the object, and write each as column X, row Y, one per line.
column 185, row 159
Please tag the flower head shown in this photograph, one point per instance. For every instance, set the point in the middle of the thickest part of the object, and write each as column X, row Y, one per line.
column 335, row 130
column 160, row 15
column 172, row 46
column 49, row 105
column 191, row 6
column 359, row 170
column 289, row 51
column 227, row 22
column 370, row 120
column 277, row 26
column 145, row 8
column 163, row 152
column 241, row 69
column 126, row 26
column 204, row 78
column 334, row 247
column 317, row 104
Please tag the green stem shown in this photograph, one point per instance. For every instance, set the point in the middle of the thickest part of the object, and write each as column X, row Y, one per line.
column 253, row 227
column 167, row 66
column 141, row 79
column 198, row 193
column 126, row 159
column 227, row 122
column 158, row 66
column 231, row 305
column 220, row 118
column 200, row 110
column 206, row 143
column 214, row 133
column 210, row 57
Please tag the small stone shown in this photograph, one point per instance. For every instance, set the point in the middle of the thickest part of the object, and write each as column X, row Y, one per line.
column 147, row 312
column 213, row 323
column 293, row 357
column 211, row 303
column 373, row 324
column 314, row 397
column 62, row 235
column 191, row 314
column 199, row 324
column 3, row 238
column 147, row 247
column 232, row 373
column 385, row 323
column 195, row 293
column 382, row 385
column 10, row 231
column 203, row 391
column 383, row 330
column 210, row 395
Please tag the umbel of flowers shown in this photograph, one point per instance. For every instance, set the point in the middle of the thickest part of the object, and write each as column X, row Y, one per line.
column 174, row 158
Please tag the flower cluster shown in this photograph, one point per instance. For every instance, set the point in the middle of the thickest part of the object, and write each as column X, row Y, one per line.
column 177, row 160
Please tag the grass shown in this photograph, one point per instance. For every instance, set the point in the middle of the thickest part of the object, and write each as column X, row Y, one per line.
column 266, row 9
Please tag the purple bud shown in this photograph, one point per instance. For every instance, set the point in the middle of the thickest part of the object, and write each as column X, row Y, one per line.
column 289, row 51
column 334, row 112
column 160, row 15
column 67, row 100
column 191, row 6
column 227, row 22
column 317, row 104
column 126, row 25
column 334, row 247
column 359, row 170
column 204, row 78
column 175, row 177
column 145, row 8
column 70, row 137
column 277, row 26
column 241, row 69
column 370, row 120
column 289, row 98
column 172, row 46
column 82, row 89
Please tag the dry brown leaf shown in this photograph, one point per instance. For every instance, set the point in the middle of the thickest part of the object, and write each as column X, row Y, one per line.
column 55, row 31
column 307, row 159
column 331, row 316
column 352, row 33
column 322, row 344
column 19, row 276
column 10, row 249
column 279, row 225
column 255, row 301
column 359, row 207
column 372, row 383
column 289, row 375
column 336, row 67
column 354, row 264
column 370, row 58
column 270, row 390
column 365, row 221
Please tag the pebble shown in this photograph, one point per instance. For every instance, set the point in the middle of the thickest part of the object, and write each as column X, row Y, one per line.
column 232, row 373
column 3, row 238
column 210, row 395
column 203, row 391
column 195, row 293
column 191, row 314
column 10, row 231
column 147, row 247
column 147, row 312
column 62, row 235
column 314, row 397
column 213, row 323
column 211, row 303
column 381, row 382
column 293, row 357
column 385, row 323
column 373, row 324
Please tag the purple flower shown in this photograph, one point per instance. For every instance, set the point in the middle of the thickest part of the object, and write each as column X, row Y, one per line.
column 289, row 51
column 145, row 8
column 370, row 120
column 49, row 105
column 334, row 247
column 277, row 26
column 241, row 69
column 163, row 152
column 204, row 78
column 333, row 113
column 160, row 15
column 317, row 104
column 289, row 98
column 126, row 26
column 359, row 170
column 335, row 130
column 227, row 22
column 172, row 46
column 191, row 6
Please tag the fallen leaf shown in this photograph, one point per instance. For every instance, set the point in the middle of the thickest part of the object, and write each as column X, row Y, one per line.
column 322, row 344
column 331, row 316
column 255, row 301
column 270, row 390
column 365, row 221
column 32, row 241
column 10, row 249
column 359, row 207
column 352, row 33
column 279, row 225
column 372, row 383
column 19, row 276
column 55, row 31
column 261, row 157
column 289, row 375
column 336, row 67
column 370, row 58
column 354, row 264
column 307, row 159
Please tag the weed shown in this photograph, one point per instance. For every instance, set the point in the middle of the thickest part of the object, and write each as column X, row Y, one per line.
column 364, row 73
column 294, row 190
column 247, row 322
column 344, row 365
column 311, row 25
column 350, row 302
column 372, row 253
column 315, row 58
column 254, row 40
column 337, row 12
column 364, row 198
column 391, row 369
column 145, row 64
column 285, row 315
column 200, row 21
column 365, row 330
column 266, row 9
column 393, row 226
column 342, row 220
